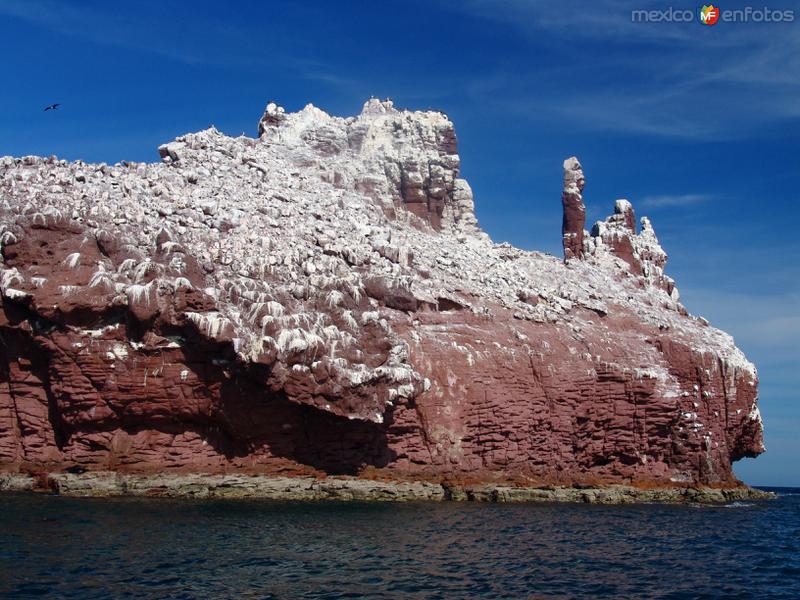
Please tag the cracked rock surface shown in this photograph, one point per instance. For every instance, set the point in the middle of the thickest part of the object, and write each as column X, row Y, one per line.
column 321, row 300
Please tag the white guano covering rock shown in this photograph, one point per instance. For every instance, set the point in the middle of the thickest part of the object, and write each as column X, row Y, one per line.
column 292, row 228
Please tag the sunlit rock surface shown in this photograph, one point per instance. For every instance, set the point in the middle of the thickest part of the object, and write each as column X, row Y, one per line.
column 321, row 300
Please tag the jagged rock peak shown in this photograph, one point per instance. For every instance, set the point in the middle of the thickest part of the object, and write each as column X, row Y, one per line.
column 612, row 243
column 574, row 210
column 623, row 210
column 640, row 254
column 272, row 117
column 408, row 157
column 374, row 106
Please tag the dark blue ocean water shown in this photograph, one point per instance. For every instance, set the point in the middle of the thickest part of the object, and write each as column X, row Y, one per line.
column 149, row 548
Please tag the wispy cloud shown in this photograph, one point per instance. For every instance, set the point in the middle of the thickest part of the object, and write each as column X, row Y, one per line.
column 193, row 41
column 598, row 19
column 675, row 200
column 99, row 26
column 766, row 326
column 677, row 80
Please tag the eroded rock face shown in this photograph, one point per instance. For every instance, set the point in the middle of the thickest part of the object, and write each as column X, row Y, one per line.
column 572, row 231
column 321, row 300
column 616, row 238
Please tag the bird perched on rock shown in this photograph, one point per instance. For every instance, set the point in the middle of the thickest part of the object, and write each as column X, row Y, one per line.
column 52, row 107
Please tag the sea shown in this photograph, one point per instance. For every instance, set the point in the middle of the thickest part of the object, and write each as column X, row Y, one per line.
column 59, row 547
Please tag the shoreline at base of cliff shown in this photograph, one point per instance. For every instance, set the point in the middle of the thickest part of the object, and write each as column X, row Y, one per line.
column 201, row 486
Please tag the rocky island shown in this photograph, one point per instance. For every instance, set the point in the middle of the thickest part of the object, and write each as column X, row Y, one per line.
column 316, row 313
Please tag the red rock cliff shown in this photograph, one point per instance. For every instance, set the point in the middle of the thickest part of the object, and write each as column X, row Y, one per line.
column 322, row 299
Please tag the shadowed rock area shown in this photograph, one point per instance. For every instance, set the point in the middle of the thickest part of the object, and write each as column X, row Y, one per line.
column 321, row 301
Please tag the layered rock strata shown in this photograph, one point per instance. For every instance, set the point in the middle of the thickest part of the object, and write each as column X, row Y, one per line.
column 193, row 485
column 321, row 301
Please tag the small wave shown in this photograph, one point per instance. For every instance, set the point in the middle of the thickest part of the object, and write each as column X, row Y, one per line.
column 738, row 505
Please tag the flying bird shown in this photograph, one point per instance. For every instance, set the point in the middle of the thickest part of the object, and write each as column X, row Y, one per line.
column 52, row 107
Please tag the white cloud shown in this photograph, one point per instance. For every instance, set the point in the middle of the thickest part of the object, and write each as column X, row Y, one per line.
column 768, row 323
column 675, row 200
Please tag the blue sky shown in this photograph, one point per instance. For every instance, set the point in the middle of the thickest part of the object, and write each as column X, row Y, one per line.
column 698, row 126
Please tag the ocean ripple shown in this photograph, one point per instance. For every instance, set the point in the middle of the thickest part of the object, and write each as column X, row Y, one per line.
column 54, row 547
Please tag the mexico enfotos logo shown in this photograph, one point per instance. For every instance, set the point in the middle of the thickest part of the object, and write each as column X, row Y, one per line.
column 711, row 15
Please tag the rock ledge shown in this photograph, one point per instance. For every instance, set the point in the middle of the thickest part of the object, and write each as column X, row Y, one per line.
column 108, row 484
